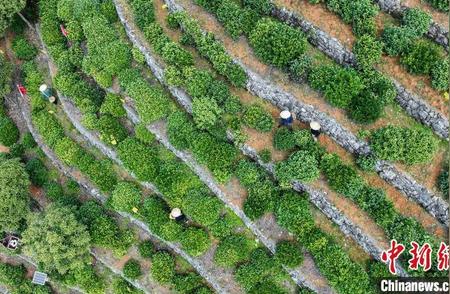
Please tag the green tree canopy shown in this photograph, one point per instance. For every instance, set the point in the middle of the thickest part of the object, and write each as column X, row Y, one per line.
column 57, row 240
column 14, row 197
column 7, row 11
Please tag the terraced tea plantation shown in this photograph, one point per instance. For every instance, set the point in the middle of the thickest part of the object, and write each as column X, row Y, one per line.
column 221, row 146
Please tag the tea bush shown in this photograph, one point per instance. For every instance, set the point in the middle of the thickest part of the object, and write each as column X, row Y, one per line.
column 256, row 117
column 404, row 144
column 289, row 253
column 277, row 43
column 132, row 269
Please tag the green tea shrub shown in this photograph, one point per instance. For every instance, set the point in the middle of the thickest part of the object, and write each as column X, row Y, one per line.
column 277, row 43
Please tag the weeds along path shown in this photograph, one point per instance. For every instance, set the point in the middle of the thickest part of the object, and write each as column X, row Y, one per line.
column 396, row 8
column 317, row 197
column 263, row 88
column 220, row 280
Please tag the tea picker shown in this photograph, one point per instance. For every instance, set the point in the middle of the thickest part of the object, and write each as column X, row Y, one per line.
column 46, row 93
column 286, row 118
column 315, row 129
column 177, row 215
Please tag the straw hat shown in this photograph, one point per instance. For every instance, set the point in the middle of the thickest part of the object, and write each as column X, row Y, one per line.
column 285, row 114
column 43, row 87
column 314, row 126
column 176, row 212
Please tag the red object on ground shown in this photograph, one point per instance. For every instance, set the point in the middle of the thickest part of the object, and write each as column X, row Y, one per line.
column 22, row 90
column 63, row 31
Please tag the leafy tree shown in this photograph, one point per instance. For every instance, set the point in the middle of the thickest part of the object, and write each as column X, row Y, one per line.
column 187, row 283
column 277, row 43
column 233, row 250
column 121, row 286
column 342, row 178
column 248, row 173
column 417, row 21
column 300, row 68
column 261, row 267
column 144, row 12
column 404, row 144
column 439, row 4
column 301, row 166
column 289, row 253
column 233, row 18
column 7, row 11
column 163, row 267
column 111, row 130
column 132, row 269
column 86, row 278
column 56, row 230
column 37, row 171
column 125, row 196
column 261, row 198
column 366, row 108
column 360, row 14
column 133, row 154
column 103, row 229
column 28, row 141
column 366, row 162
column 143, row 134
column 14, row 198
column 53, row 190
column 368, row 51
column 263, row 7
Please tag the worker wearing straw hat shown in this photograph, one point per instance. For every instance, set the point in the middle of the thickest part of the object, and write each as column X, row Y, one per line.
column 286, row 118
column 315, row 129
column 177, row 215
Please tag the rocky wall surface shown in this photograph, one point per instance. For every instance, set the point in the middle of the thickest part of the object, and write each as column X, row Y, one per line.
column 435, row 205
column 436, row 32
column 318, row 198
column 413, row 104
